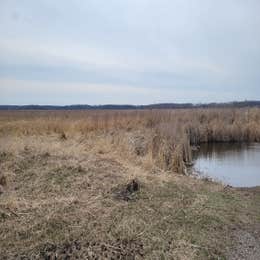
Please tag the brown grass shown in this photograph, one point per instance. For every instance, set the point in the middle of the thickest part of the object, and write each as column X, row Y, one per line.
column 169, row 133
column 65, row 170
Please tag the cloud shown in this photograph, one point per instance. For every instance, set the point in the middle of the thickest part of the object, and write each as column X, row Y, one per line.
column 51, row 92
column 37, row 92
column 182, row 47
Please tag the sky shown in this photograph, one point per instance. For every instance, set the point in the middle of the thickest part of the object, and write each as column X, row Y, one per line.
column 129, row 51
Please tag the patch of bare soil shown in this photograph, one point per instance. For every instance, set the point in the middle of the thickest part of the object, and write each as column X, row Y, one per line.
column 247, row 245
column 91, row 250
column 247, row 240
column 127, row 192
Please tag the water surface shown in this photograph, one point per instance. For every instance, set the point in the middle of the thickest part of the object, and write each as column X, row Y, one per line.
column 231, row 163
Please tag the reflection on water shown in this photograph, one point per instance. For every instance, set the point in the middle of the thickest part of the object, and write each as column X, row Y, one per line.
column 232, row 163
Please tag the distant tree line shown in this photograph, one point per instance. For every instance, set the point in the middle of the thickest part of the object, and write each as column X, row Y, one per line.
column 235, row 104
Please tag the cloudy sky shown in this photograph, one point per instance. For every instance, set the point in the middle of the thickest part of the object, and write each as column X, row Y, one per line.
column 129, row 51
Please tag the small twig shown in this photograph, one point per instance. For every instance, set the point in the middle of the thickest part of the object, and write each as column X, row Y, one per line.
column 7, row 208
column 114, row 247
column 201, row 247
column 13, row 212
column 141, row 233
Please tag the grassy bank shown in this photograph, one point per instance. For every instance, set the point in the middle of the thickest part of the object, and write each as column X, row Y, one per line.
column 61, row 199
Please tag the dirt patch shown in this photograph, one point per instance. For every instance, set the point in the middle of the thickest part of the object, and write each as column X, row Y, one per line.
column 65, row 251
column 127, row 192
column 247, row 246
column 247, row 239
column 89, row 250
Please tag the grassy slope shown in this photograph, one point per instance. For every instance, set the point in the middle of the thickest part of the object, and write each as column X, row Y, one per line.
column 60, row 200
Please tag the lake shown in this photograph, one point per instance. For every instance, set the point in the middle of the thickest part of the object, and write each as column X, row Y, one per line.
column 234, row 164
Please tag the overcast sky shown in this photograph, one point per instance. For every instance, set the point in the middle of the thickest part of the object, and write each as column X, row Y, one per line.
column 129, row 51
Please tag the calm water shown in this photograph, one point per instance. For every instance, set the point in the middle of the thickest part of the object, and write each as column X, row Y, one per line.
column 235, row 164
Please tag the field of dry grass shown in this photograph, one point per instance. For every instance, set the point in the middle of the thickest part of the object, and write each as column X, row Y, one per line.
column 165, row 136
column 66, row 180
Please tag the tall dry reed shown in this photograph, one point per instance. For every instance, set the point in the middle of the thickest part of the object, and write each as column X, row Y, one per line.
column 173, row 131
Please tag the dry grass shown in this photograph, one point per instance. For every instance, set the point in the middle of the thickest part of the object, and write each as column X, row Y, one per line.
column 64, row 172
column 168, row 136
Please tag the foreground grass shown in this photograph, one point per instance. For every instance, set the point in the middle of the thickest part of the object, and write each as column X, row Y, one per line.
column 60, row 201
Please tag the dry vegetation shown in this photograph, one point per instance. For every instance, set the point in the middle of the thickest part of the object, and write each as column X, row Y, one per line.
column 166, row 136
column 66, row 188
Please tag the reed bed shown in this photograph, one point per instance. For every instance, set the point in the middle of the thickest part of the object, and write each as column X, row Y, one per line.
column 172, row 133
